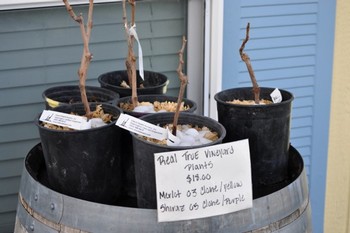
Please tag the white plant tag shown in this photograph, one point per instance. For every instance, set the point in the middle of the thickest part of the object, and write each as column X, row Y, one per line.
column 132, row 31
column 276, row 96
column 63, row 119
column 141, row 127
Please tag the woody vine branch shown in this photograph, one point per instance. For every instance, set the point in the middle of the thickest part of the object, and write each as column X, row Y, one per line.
column 183, row 81
column 246, row 59
column 130, row 61
column 86, row 56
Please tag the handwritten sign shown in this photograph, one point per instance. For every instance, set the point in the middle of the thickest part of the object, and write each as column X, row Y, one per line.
column 203, row 182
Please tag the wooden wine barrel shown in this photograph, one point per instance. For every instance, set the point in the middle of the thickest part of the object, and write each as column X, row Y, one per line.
column 40, row 209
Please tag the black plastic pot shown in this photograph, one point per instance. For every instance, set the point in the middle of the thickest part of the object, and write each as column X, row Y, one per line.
column 154, row 83
column 85, row 164
column 69, row 94
column 144, row 152
column 266, row 126
column 127, row 151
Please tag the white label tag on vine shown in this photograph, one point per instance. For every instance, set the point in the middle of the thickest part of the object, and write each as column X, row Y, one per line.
column 141, row 127
column 276, row 96
column 132, row 31
column 63, row 119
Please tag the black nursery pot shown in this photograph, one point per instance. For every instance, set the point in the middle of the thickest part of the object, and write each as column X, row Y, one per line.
column 127, row 151
column 154, row 83
column 69, row 94
column 85, row 164
column 266, row 126
column 144, row 152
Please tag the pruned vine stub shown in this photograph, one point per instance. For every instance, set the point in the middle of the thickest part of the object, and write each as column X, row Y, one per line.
column 246, row 59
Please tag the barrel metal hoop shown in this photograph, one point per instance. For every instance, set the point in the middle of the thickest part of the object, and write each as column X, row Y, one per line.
column 266, row 229
column 284, row 221
column 56, row 226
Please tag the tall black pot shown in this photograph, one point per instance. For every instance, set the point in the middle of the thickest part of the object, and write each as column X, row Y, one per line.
column 85, row 164
column 69, row 94
column 154, row 83
column 144, row 152
column 266, row 126
column 129, row 183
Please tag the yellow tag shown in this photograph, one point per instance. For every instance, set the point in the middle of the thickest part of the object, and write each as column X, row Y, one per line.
column 52, row 103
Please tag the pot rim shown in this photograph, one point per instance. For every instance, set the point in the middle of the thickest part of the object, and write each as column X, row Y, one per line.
column 100, row 79
column 184, row 114
column 92, row 88
column 191, row 103
column 284, row 102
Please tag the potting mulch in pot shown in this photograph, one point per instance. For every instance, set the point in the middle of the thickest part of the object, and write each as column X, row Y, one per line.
column 188, row 135
column 106, row 118
column 156, row 106
column 249, row 102
column 125, row 85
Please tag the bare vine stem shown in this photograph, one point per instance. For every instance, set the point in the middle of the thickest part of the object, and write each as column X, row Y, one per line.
column 130, row 61
column 246, row 59
column 86, row 56
column 183, row 81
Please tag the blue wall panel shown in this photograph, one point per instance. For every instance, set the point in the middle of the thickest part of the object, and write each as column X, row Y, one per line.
column 291, row 47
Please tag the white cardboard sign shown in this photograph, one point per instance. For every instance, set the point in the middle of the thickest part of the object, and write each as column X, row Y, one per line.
column 203, row 182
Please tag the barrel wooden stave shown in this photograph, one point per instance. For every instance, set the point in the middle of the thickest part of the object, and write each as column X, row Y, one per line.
column 286, row 211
